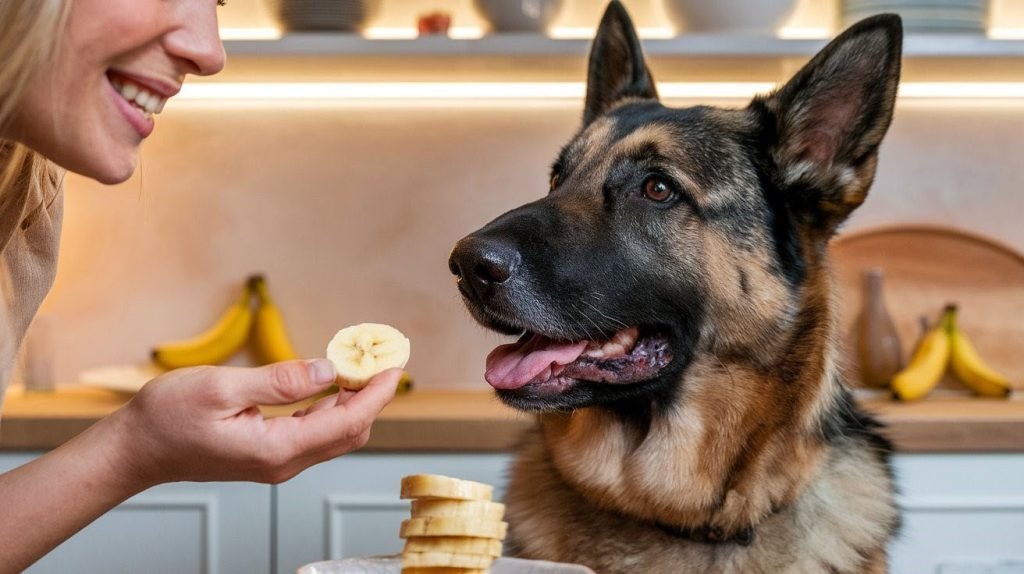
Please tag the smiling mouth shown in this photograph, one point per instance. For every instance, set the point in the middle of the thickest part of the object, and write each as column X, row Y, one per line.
column 548, row 366
column 137, row 95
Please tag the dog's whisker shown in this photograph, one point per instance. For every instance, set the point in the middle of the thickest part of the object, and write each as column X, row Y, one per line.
column 602, row 313
column 588, row 318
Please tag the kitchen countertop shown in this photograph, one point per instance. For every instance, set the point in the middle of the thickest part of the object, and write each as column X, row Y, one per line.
column 474, row 421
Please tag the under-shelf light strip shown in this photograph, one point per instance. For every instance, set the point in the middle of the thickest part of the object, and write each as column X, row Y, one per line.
column 1006, row 33
column 583, row 33
column 307, row 91
column 266, row 33
column 455, row 33
column 402, row 33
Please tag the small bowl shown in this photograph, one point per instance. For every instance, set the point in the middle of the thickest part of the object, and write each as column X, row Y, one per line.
column 324, row 15
column 753, row 17
column 518, row 15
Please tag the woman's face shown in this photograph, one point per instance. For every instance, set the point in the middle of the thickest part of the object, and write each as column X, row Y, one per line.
column 116, row 65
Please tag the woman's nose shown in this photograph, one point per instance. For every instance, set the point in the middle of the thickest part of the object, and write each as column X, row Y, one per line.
column 197, row 40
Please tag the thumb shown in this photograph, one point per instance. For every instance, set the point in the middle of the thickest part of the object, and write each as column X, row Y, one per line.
column 277, row 384
column 323, row 428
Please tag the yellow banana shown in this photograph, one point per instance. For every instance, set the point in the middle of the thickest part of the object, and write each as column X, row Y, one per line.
column 272, row 341
column 928, row 363
column 404, row 384
column 971, row 370
column 214, row 345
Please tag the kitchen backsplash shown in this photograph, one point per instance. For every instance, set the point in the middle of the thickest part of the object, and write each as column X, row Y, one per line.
column 351, row 211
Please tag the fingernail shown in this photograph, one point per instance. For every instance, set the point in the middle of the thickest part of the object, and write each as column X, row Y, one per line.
column 321, row 371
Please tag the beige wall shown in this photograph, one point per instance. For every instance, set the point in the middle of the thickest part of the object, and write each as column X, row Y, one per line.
column 351, row 212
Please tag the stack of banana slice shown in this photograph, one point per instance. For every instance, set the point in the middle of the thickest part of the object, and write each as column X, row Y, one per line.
column 455, row 528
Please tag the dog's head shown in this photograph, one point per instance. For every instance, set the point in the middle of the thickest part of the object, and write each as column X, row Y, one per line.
column 668, row 234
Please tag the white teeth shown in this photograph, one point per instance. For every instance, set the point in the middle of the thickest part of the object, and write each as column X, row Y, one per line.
column 620, row 344
column 148, row 102
column 143, row 98
column 129, row 91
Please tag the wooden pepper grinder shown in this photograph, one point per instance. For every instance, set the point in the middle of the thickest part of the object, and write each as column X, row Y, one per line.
column 879, row 352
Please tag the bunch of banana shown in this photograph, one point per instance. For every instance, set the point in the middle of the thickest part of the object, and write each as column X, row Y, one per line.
column 971, row 370
column 217, row 343
column 358, row 352
column 232, row 331
column 945, row 345
column 454, row 525
column 273, row 344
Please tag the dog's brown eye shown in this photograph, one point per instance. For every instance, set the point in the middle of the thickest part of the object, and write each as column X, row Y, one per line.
column 554, row 182
column 657, row 190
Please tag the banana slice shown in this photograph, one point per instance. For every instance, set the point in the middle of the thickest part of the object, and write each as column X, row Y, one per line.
column 448, row 526
column 455, row 545
column 481, row 509
column 439, row 486
column 445, row 559
column 361, row 351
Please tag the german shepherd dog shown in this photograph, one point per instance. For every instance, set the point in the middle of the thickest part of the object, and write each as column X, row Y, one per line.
column 678, row 334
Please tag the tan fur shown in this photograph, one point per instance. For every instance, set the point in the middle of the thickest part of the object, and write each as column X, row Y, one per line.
column 738, row 449
column 586, row 489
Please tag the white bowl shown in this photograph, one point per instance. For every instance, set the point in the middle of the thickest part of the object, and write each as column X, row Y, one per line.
column 753, row 17
column 923, row 16
column 518, row 15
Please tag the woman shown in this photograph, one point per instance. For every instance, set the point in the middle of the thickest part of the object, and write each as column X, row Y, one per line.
column 80, row 81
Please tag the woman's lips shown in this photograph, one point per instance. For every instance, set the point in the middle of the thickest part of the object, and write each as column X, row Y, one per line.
column 139, row 120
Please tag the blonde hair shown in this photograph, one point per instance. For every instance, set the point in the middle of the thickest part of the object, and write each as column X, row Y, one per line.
column 29, row 33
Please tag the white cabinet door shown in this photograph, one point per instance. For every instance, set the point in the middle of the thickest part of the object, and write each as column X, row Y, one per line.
column 179, row 528
column 961, row 513
column 350, row 506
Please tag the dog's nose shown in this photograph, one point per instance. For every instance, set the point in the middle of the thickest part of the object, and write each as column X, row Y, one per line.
column 483, row 263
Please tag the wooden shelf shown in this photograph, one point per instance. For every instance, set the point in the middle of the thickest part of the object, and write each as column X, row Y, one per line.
column 339, row 57
column 475, row 421
column 705, row 45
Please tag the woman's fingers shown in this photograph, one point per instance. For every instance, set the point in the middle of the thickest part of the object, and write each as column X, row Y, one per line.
column 347, row 421
column 277, row 384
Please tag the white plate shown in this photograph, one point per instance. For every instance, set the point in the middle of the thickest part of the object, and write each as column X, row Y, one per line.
column 122, row 378
column 393, row 565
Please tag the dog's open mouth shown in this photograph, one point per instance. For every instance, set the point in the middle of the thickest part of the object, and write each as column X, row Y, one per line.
column 547, row 365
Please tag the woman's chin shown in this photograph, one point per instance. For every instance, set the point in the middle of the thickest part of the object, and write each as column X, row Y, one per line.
column 109, row 169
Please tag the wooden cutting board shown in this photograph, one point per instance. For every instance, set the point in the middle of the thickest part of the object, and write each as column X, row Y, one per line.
column 925, row 268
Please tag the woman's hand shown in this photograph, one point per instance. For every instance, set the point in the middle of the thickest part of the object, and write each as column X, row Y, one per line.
column 203, row 424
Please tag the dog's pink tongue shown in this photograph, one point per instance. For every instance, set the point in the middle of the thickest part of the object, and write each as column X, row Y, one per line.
column 515, row 365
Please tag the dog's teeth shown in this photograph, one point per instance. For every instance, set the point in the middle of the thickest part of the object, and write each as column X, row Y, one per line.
column 620, row 344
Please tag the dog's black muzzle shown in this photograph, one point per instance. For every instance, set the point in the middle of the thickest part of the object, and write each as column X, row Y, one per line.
column 483, row 263
column 490, row 261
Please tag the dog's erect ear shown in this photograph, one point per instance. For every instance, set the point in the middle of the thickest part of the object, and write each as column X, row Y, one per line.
column 825, row 124
column 617, row 69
